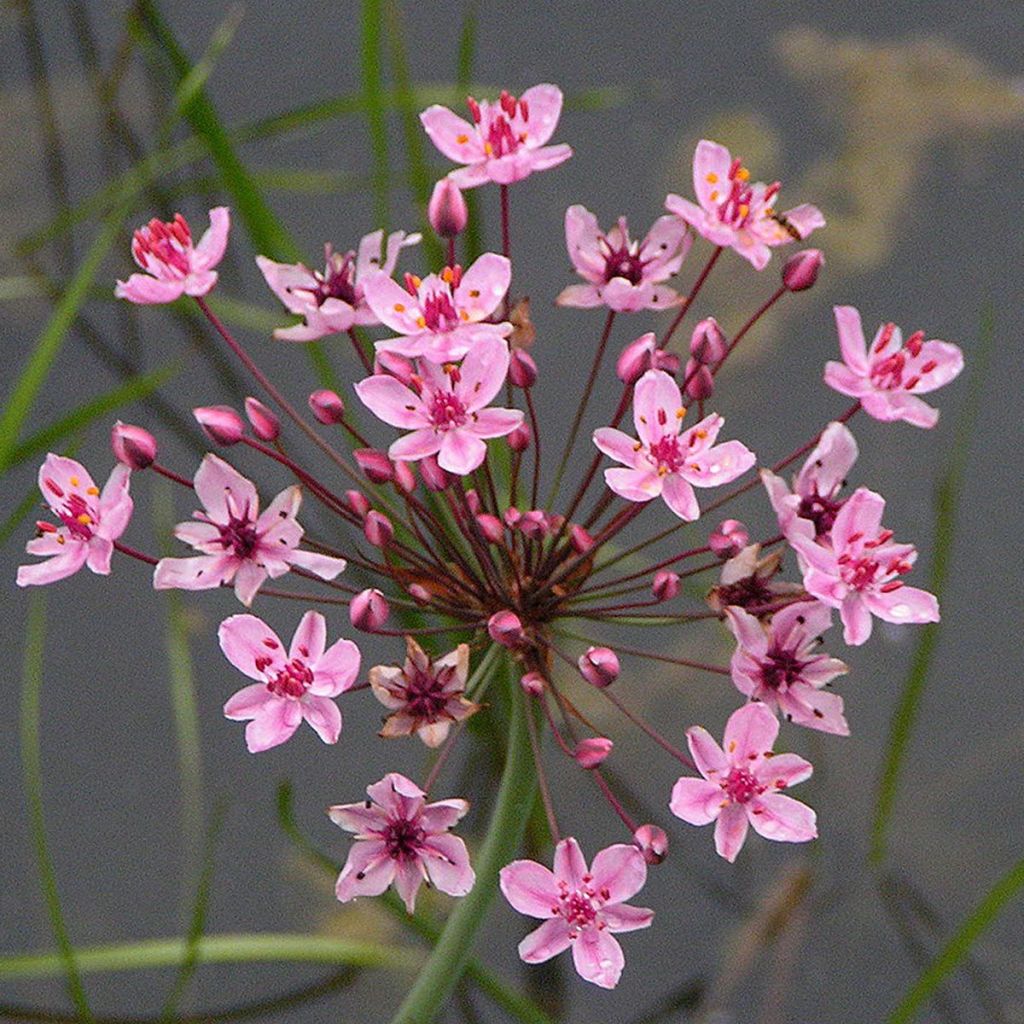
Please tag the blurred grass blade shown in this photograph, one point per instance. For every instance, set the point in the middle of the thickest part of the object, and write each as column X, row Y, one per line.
column 947, row 498
column 32, row 378
column 959, row 945
column 244, row 948
column 194, row 80
column 132, row 390
column 373, row 98
column 31, row 763
column 20, row 287
column 474, row 237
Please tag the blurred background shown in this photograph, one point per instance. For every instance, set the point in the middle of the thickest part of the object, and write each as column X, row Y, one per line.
column 904, row 123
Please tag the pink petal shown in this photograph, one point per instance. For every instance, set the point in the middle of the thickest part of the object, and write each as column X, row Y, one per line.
column 624, row 918
column 851, row 339
column 398, row 796
column 814, row 709
column 787, row 769
column 483, row 286
column 719, row 465
column 210, row 249
column 215, row 480
column 805, row 218
column 749, row 733
column 731, row 831
column 624, row 297
column 68, row 476
column 274, row 723
column 598, row 957
column 634, row 484
column 710, row 159
column 545, row 105
column 906, row 604
column 310, row 638
column 443, row 814
column 99, row 551
column 496, row 422
column 447, row 864
column 696, row 801
column 619, row 869
column 408, row 879
column 336, row 669
column 829, row 463
column 549, row 156
column 579, row 296
column 323, row 715
column 457, row 139
column 461, row 451
column 248, row 580
column 569, row 864
column 550, row 939
column 324, row 566
column 657, row 403
column 617, row 445
column 57, row 568
column 665, row 247
column 841, row 378
column 391, row 304
column 248, row 702
column 200, row 283
column 278, row 524
column 417, row 445
column 889, row 406
column 581, row 240
column 148, row 291
column 482, row 373
column 199, row 573
column 246, row 639
column 707, row 754
column 370, row 860
column 679, row 497
column 115, row 504
column 948, row 360
column 472, row 176
column 856, row 620
column 285, row 279
column 391, row 401
column 358, row 818
column 782, row 818
column 748, row 631
column 531, row 888
column 312, row 330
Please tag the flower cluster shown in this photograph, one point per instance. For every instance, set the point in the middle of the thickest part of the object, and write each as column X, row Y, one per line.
column 450, row 546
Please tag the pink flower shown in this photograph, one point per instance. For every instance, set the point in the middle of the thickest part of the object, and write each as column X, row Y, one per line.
column 505, row 142
column 581, row 907
column 424, row 696
column 735, row 213
column 289, row 688
column 174, row 267
column 401, row 839
column 888, row 376
column 742, row 785
column 779, row 663
column 810, row 509
column 237, row 542
column 440, row 317
column 91, row 521
column 446, row 411
column 859, row 574
column 332, row 300
column 665, row 462
column 624, row 275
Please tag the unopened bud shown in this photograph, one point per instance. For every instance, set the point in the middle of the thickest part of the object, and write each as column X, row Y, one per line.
column 265, row 425
column 589, row 753
column 667, row 362
column 378, row 529
column 519, row 439
column 419, row 593
column 635, row 359
column 434, row 477
column 327, row 407
column 396, row 365
column 505, row 628
column 220, row 423
column 800, row 271
column 707, row 343
column 405, row 477
column 700, row 385
column 491, row 527
column 533, row 683
column 599, row 666
column 522, row 370
column 580, row 539
column 729, row 538
column 133, row 446
column 473, row 500
column 368, row 611
column 652, row 842
column 358, row 502
column 376, row 465
column 447, row 211
column 665, row 585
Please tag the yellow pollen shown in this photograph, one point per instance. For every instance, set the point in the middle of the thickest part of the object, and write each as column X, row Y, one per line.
column 399, row 307
column 680, row 412
column 744, row 209
column 695, row 467
column 60, row 539
column 446, row 275
column 724, row 803
column 701, row 433
column 712, row 178
column 463, row 315
column 638, row 446
column 662, row 470
column 769, row 211
column 94, row 490
column 714, row 195
column 522, row 136
column 85, row 519
column 416, row 281
column 474, row 293
column 462, row 139
column 732, row 746
column 74, row 481
column 743, row 174
column 488, row 148
column 421, row 321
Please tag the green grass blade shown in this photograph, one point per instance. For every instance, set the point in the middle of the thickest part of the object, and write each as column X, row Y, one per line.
column 244, row 948
column 194, row 80
column 65, row 960
column 371, row 22
column 960, row 944
column 474, row 237
column 132, row 390
column 947, row 499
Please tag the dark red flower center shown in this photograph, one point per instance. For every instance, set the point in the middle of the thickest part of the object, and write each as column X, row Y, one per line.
column 168, row 242
column 781, row 669
column 293, row 680
column 439, row 313
column 404, row 839
column 446, row 410
column 240, row 536
column 741, row 787
column 667, row 453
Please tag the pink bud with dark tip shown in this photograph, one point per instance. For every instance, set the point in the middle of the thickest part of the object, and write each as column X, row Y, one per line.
column 729, row 538
column 506, row 628
column 635, row 359
column 533, row 683
column 419, row 593
column 327, row 407
column 358, row 502
column 700, row 385
column 220, row 423
column 376, row 465
column 369, row 610
column 491, row 527
column 665, row 585
column 265, row 425
column 133, row 446
column 599, row 666
column 652, row 842
column 519, row 439
column 447, row 210
column 580, row 539
column 522, row 370
column 801, row 270
column 405, row 477
column 707, row 343
column 591, row 752
column 473, row 500
column 396, row 365
column 377, row 529
column 434, row 477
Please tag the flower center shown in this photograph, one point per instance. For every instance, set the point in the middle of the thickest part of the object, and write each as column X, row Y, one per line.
column 403, row 839
column 424, row 695
column 820, row 511
column 77, row 517
column 338, row 281
column 781, row 669
column 292, row 681
column 623, row 262
column 240, row 536
column 166, row 242
column 439, row 313
column 447, row 410
column 667, row 454
column 741, row 787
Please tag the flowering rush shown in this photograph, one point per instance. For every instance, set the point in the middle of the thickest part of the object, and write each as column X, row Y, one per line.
column 486, row 582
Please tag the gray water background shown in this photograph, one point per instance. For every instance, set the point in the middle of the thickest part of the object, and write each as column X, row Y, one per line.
column 904, row 123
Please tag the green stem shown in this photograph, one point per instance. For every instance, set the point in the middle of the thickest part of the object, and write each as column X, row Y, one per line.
column 451, row 954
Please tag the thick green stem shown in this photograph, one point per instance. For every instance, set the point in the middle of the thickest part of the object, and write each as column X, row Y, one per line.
column 508, row 821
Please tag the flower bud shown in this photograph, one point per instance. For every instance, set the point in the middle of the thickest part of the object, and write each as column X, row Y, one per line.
column 522, row 370
column 668, row 362
column 665, row 585
column 395, row 365
column 405, row 477
column 419, row 593
column 533, row 524
column 505, row 628
column 375, row 465
column 533, row 683
column 729, row 538
column 447, row 211
column 512, row 517
column 800, row 271
column 265, row 424
column 368, row 611
column 327, row 407
column 358, row 502
column 589, row 753
column 599, row 666
column 133, row 446
column 652, row 842
column 473, row 500
column 378, row 529
column 434, row 477
column 700, row 385
column 220, row 423
column 491, row 527
column 519, row 439
column 635, row 359
column 581, row 540
column 707, row 344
